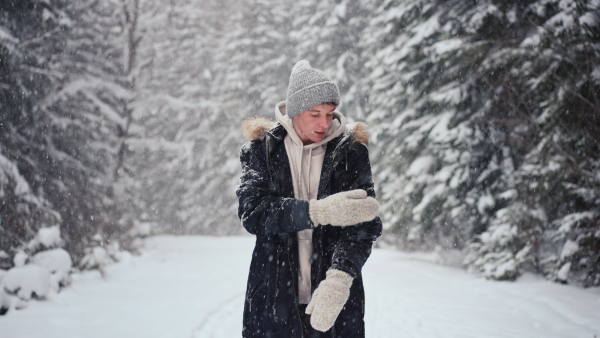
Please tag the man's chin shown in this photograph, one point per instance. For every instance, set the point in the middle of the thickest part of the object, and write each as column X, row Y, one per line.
column 319, row 137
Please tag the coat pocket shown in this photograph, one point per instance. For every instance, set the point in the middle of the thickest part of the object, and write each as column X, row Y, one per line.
column 252, row 292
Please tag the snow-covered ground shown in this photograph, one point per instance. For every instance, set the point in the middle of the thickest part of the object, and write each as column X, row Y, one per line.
column 194, row 287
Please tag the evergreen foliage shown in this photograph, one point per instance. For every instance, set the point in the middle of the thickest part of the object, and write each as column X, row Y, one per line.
column 328, row 33
column 184, row 135
column 485, row 117
column 84, row 120
column 29, row 43
column 61, row 117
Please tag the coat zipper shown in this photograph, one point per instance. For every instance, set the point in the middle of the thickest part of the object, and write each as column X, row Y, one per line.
column 252, row 293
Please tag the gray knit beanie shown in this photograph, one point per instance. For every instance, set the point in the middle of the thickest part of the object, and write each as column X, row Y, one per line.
column 309, row 87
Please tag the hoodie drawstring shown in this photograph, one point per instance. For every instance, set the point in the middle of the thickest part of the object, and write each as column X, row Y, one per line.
column 309, row 164
column 301, row 184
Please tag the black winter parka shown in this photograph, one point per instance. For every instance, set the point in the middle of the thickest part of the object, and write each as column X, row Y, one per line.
column 268, row 209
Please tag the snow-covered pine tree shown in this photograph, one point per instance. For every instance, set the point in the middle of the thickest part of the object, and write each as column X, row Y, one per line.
column 478, row 110
column 435, row 163
column 509, row 239
column 29, row 42
column 557, row 188
column 327, row 34
column 82, row 125
column 22, row 211
column 181, row 132
column 570, row 134
column 153, row 123
column 250, row 69
column 255, row 58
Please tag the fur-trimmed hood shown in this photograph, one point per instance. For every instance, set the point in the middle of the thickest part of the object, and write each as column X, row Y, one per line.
column 255, row 128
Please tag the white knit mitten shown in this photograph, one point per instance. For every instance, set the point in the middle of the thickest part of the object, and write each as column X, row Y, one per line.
column 344, row 208
column 329, row 299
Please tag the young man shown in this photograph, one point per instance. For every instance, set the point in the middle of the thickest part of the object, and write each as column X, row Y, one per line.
column 306, row 192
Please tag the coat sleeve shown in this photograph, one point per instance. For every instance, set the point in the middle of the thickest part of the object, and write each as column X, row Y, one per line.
column 354, row 246
column 261, row 210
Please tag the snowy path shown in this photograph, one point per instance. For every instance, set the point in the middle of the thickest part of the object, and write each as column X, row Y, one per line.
column 193, row 287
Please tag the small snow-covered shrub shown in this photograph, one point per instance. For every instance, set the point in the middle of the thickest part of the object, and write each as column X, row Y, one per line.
column 142, row 229
column 55, row 260
column 96, row 258
column 46, row 238
column 4, row 303
column 48, row 268
column 496, row 260
column 100, row 254
column 575, row 257
column 4, row 260
column 139, row 231
column 28, row 281
column 4, row 300
column 20, row 259
column 59, row 263
column 507, row 247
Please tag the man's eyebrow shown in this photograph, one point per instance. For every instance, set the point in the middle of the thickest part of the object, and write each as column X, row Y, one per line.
column 319, row 111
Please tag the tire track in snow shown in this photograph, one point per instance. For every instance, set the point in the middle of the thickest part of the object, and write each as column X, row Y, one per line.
column 215, row 324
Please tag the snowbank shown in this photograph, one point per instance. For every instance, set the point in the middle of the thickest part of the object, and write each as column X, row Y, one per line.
column 59, row 263
column 29, row 281
column 35, row 276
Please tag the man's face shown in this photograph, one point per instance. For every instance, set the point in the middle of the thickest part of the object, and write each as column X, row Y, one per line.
column 312, row 124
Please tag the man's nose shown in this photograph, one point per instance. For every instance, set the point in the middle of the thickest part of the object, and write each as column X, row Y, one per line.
column 324, row 123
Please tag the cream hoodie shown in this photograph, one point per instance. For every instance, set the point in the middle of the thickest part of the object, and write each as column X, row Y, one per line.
column 306, row 163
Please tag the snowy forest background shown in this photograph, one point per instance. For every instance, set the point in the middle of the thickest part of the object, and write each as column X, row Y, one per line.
column 121, row 118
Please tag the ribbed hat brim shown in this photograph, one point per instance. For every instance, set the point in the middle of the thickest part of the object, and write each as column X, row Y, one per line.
column 322, row 92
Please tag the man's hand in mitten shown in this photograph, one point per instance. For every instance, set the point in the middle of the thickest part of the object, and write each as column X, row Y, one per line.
column 329, row 299
column 344, row 208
